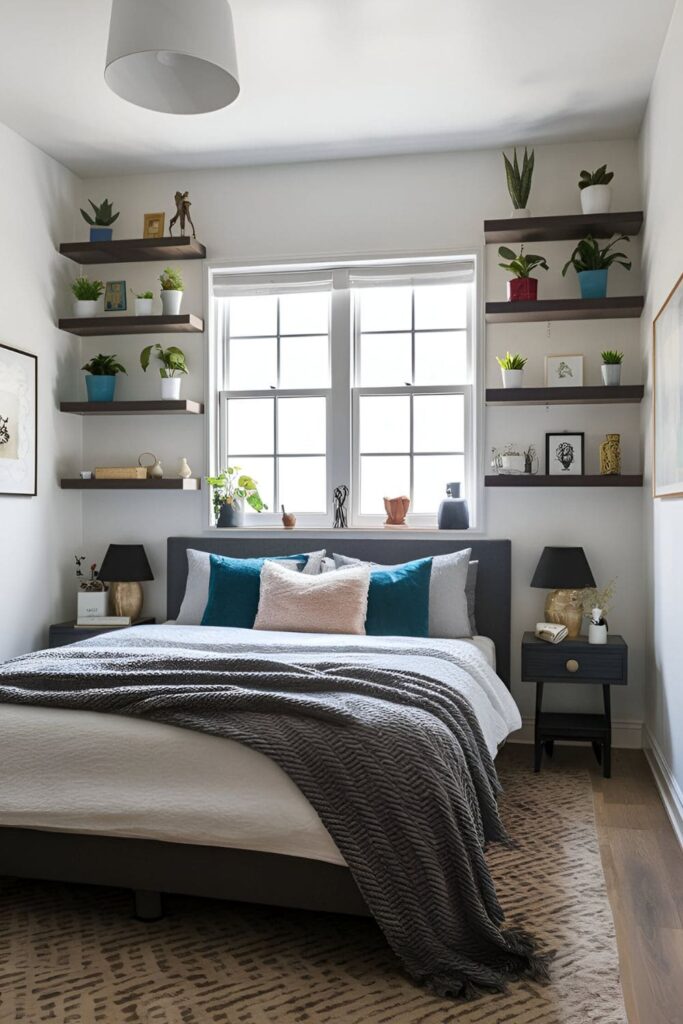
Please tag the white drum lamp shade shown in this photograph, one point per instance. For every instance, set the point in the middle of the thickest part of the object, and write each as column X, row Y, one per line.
column 174, row 56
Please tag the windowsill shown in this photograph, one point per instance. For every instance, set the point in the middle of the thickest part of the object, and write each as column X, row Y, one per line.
column 358, row 531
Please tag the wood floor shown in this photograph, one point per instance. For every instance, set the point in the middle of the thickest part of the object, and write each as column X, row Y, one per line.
column 643, row 864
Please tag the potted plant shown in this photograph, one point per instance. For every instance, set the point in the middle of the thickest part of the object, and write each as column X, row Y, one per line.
column 591, row 263
column 100, row 227
column 611, row 367
column 172, row 288
column 173, row 364
column 519, row 181
column 101, row 379
column 143, row 303
column 595, row 603
column 231, row 489
column 596, row 195
column 512, row 369
column 86, row 296
column 522, row 287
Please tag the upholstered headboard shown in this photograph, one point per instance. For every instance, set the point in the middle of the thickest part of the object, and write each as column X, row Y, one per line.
column 493, row 578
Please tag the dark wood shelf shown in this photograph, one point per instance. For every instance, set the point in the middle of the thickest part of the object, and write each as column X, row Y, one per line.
column 519, row 480
column 625, row 394
column 564, row 309
column 170, row 484
column 134, row 250
column 183, row 406
column 91, row 326
column 568, row 226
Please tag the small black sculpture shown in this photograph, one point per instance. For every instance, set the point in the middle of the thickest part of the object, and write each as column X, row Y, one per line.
column 182, row 205
column 341, row 495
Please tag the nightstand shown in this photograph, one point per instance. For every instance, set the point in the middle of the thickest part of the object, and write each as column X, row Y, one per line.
column 574, row 661
column 63, row 633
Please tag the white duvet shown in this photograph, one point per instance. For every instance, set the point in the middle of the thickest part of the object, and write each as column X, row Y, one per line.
column 82, row 771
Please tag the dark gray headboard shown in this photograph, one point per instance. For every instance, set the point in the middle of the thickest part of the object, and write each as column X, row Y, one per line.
column 493, row 579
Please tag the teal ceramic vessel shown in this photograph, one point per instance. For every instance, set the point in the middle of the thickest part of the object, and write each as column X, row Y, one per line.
column 100, row 388
column 101, row 234
column 593, row 284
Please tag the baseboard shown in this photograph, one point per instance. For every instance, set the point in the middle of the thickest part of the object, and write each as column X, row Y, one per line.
column 669, row 790
column 626, row 735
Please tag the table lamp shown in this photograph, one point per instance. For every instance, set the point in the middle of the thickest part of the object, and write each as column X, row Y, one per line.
column 565, row 572
column 124, row 567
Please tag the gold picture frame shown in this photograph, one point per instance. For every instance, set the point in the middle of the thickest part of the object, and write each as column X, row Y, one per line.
column 667, row 401
column 155, row 224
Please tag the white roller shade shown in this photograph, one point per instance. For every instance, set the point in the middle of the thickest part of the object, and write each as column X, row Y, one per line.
column 226, row 285
column 418, row 274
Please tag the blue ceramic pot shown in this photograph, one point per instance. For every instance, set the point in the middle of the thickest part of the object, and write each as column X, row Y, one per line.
column 101, row 234
column 100, row 388
column 593, row 284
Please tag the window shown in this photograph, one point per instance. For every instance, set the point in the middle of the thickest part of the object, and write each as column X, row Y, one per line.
column 360, row 374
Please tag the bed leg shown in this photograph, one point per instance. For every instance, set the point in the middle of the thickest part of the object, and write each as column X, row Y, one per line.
column 148, row 905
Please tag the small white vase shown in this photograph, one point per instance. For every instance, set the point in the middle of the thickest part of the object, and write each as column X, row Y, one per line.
column 170, row 389
column 597, row 634
column 170, row 302
column 512, row 378
column 85, row 307
column 520, row 214
column 91, row 604
column 611, row 374
column 184, row 472
column 143, row 307
column 596, row 199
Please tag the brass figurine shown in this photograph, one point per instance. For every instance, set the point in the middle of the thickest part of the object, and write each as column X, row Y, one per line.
column 610, row 455
column 182, row 205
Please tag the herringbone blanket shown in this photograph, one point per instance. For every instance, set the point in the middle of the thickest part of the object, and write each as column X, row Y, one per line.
column 393, row 761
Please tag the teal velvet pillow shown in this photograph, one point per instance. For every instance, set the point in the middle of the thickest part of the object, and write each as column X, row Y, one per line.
column 235, row 588
column 398, row 600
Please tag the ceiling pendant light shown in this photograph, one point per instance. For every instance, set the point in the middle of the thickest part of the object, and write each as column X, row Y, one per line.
column 173, row 56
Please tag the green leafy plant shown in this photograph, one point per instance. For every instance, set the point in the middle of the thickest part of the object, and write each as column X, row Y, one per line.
column 103, row 366
column 519, row 181
column 86, row 290
column 521, row 265
column 611, row 357
column 589, row 256
column 172, row 360
column 511, row 362
column 104, row 214
column 233, row 487
column 143, row 295
column 600, row 177
column 171, row 280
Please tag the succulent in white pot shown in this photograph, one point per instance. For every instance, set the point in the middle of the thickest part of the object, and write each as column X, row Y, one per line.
column 173, row 365
column 143, row 303
column 172, row 288
column 519, row 181
column 87, row 294
column 512, row 369
column 596, row 194
column 611, row 367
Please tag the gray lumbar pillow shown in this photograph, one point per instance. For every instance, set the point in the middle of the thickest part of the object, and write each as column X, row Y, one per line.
column 448, row 611
column 471, row 594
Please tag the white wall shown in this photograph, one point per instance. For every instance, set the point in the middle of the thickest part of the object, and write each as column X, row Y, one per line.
column 394, row 205
column 39, row 535
column 662, row 157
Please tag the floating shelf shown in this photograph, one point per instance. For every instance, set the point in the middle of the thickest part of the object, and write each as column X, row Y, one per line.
column 134, row 250
column 90, row 326
column 170, row 484
column 519, row 480
column 555, row 229
column 625, row 394
column 183, row 406
column 564, row 309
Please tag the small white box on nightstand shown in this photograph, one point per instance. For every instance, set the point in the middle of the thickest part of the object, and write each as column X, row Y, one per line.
column 92, row 603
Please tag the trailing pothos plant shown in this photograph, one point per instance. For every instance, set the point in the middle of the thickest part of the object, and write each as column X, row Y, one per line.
column 522, row 264
column 589, row 256
column 232, row 487
column 519, row 180
column 172, row 360
column 103, row 366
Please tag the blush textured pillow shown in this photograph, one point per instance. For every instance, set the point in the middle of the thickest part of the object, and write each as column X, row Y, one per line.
column 329, row 603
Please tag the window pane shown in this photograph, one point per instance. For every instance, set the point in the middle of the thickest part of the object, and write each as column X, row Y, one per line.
column 262, row 472
column 253, row 364
column 385, row 360
column 253, row 315
column 441, row 358
column 301, row 425
column 385, row 309
column 382, row 477
column 385, row 424
column 438, row 423
column 440, row 305
column 251, row 425
column 305, row 313
column 431, row 473
column 303, row 485
column 305, row 362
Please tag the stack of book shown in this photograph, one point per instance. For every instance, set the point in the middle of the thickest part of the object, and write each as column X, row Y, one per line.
column 551, row 632
column 98, row 621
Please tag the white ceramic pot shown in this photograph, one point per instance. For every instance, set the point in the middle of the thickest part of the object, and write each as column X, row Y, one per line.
column 520, row 214
column 512, row 378
column 91, row 604
column 85, row 307
column 170, row 388
column 596, row 199
column 597, row 634
column 170, row 302
column 611, row 374
column 143, row 307
column 513, row 463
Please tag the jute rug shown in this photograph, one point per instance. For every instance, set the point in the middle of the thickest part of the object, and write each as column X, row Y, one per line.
column 73, row 955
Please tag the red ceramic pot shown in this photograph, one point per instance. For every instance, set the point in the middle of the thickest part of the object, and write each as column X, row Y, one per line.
column 522, row 289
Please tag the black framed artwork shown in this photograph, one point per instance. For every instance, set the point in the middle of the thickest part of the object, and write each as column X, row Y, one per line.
column 18, row 421
column 564, row 453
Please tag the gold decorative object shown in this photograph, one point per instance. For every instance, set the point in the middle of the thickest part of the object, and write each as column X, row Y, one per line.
column 610, row 455
column 397, row 510
column 566, row 608
column 120, row 473
column 182, row 205
column 154, row 225
column 126, row 599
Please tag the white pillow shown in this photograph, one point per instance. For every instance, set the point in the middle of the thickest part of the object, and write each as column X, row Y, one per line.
column 197, row 585
column 329, row 603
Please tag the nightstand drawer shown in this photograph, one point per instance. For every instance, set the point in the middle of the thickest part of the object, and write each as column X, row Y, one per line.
column 567, row 662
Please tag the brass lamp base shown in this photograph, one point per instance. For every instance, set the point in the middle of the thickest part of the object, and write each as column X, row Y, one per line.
column 126, row 599
column 565, row 608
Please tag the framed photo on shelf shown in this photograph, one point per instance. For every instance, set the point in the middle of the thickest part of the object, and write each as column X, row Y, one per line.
column 564, row 453
column 18, row 421
column 154, row 225
column 564, row 371
column 667, row 361
column 115, row 300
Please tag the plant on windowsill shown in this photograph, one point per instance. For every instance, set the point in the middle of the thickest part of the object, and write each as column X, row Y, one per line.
column 173, row 365
column 86, row 296
column 523, row 287
column 519, row 181
column 231, row 489
column 101, row 379
column 592, row 263
column 100, row 228
column 611, row 367
column 172, row 288
column 512, row 369
column 596, row 195
column 143, row 303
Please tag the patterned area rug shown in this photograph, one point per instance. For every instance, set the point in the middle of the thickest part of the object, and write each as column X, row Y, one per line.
column 73, row 955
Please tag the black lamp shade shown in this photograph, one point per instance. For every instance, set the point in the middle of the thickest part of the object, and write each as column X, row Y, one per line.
column 563, row 569
column 125, row 563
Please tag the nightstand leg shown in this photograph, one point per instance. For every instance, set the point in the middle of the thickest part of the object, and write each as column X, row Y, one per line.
column 607, row 745
column 538, row 746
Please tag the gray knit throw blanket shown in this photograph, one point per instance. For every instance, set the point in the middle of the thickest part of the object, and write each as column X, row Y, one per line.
column 395, row 765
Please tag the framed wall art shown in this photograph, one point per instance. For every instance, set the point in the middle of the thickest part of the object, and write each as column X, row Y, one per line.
column 18, row 421
column 667, row 361
column 564, row 371
column 154, row 225
column 115, row 300
column 564, row 454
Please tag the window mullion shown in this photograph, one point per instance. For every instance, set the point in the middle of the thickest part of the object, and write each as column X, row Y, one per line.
column 340, row 439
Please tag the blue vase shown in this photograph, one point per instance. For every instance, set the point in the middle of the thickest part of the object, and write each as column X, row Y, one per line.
column 453, row 513
column 101, row 234
column 100, row 388
column 593, row 284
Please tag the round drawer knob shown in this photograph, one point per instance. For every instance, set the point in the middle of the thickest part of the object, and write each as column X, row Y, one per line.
column 572, row 665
